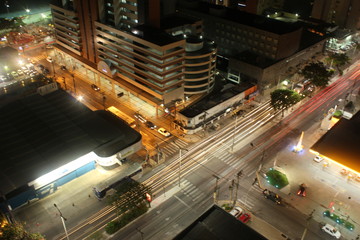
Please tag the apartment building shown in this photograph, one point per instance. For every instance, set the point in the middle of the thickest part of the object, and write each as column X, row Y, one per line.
column 129, row 48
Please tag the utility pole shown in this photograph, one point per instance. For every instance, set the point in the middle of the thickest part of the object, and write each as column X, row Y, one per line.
column 216, row 188
column 238, row 175
column 180, row 158
column 63, row 219
column 307, row 224
column 233, row 141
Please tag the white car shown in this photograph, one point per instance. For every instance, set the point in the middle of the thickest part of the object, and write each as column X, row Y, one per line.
column 318, row 159
column 236, row 212
column 164, row 132
column 331, row 230
column 49, row 59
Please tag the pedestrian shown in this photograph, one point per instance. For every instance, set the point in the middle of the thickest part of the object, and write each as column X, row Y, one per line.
column 73, row 204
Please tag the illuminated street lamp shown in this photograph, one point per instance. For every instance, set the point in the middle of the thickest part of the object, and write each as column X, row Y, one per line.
column 299, row 147
column 27, row 10
column 180, row 158
column 63, row 219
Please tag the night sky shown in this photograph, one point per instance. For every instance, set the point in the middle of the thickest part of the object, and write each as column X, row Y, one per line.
column 21, row 5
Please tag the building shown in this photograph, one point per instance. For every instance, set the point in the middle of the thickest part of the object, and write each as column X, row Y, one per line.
column 345, row 13
column 138, row 49
column 48, row 140
column 340, row 144
column 236, row 31
column 257, row 48
column 205, row 112
column 216, row 223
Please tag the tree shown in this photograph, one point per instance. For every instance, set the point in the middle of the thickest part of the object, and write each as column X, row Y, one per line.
column 282, row 99
column 317, row 73
column 129, row 195
column 339, row 60
column 16, row 231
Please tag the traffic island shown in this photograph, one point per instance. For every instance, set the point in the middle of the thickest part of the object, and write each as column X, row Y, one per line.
column 339, row 220
column 276, row 178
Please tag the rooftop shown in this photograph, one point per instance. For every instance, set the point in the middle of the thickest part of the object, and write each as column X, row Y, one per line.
column 213, row 99
column 176, row 20
column 241, row 17
column 154, row 35
column 341, row 143
column 42, row 133
column 216, row 224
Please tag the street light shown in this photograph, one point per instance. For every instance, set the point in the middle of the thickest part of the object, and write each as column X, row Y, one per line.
column 63, row 219
column 180, row 158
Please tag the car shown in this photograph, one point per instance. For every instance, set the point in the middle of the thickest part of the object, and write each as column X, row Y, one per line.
column 41, row 66
column 164, row 132
column 245, row 217
column 236, row 212
column 318, row 159
column 331, row 230
column 49, row 59
column 46, row 71
column 14, row 74
column 20, row 72
column 3, row 78
column 95, row 88
column 272, row 196
column 150, row 125
column 302, row 190
column 63, row 67
column 140, row 117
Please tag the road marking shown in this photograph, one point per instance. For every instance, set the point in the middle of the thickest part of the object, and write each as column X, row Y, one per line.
column 182, row 201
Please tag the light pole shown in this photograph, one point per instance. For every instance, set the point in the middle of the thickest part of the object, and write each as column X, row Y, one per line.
column 180, row 158
column 63, row 219
column 73, row 77
column 233, row 141
column 216, row 188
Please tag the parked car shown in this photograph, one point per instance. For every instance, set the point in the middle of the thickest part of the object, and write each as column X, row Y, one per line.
column 140, row 117
column 302, row 190
column 20, row 72
column 63, row 67
column 236, row 212
column 49, row 59
column 272, row 196
column 245, row 217
column 41, row 67
column 95, row 88
column 164, row 132
column 331, row 230
column 318, row 159
column 150, row 125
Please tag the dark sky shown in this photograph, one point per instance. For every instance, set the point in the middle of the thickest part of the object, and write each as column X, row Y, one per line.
column 20, row 5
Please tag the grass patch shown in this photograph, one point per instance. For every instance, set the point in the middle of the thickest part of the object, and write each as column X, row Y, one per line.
column 276, row 178
column 226, row 206
column 339, row 220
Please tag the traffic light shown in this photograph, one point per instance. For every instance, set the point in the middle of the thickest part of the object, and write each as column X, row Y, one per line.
column 148, row 197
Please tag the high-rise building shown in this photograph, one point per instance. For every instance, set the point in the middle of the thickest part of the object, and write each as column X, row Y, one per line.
column 344, row 13
column 130, row 46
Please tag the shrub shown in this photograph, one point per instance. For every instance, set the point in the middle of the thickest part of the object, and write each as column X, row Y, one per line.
column 276, row 178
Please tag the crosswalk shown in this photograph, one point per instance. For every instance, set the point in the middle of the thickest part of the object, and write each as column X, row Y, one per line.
column 172, row 148
column 190, row 190
column 249, row 201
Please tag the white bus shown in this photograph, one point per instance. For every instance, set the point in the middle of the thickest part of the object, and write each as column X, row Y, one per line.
column 123, row 116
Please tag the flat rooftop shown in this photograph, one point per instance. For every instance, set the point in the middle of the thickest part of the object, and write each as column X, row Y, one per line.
column 213, row 99
column 217, row 224
column 155, row 35
column 341, row 143
column 42, row 133
column 241, row 17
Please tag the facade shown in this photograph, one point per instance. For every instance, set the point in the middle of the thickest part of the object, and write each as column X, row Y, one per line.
column 127, row 48
column 344, row 13
column 213, row 107
column 235, row 31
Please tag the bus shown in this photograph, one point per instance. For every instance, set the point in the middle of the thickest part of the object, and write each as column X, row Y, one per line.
column 123, row 116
